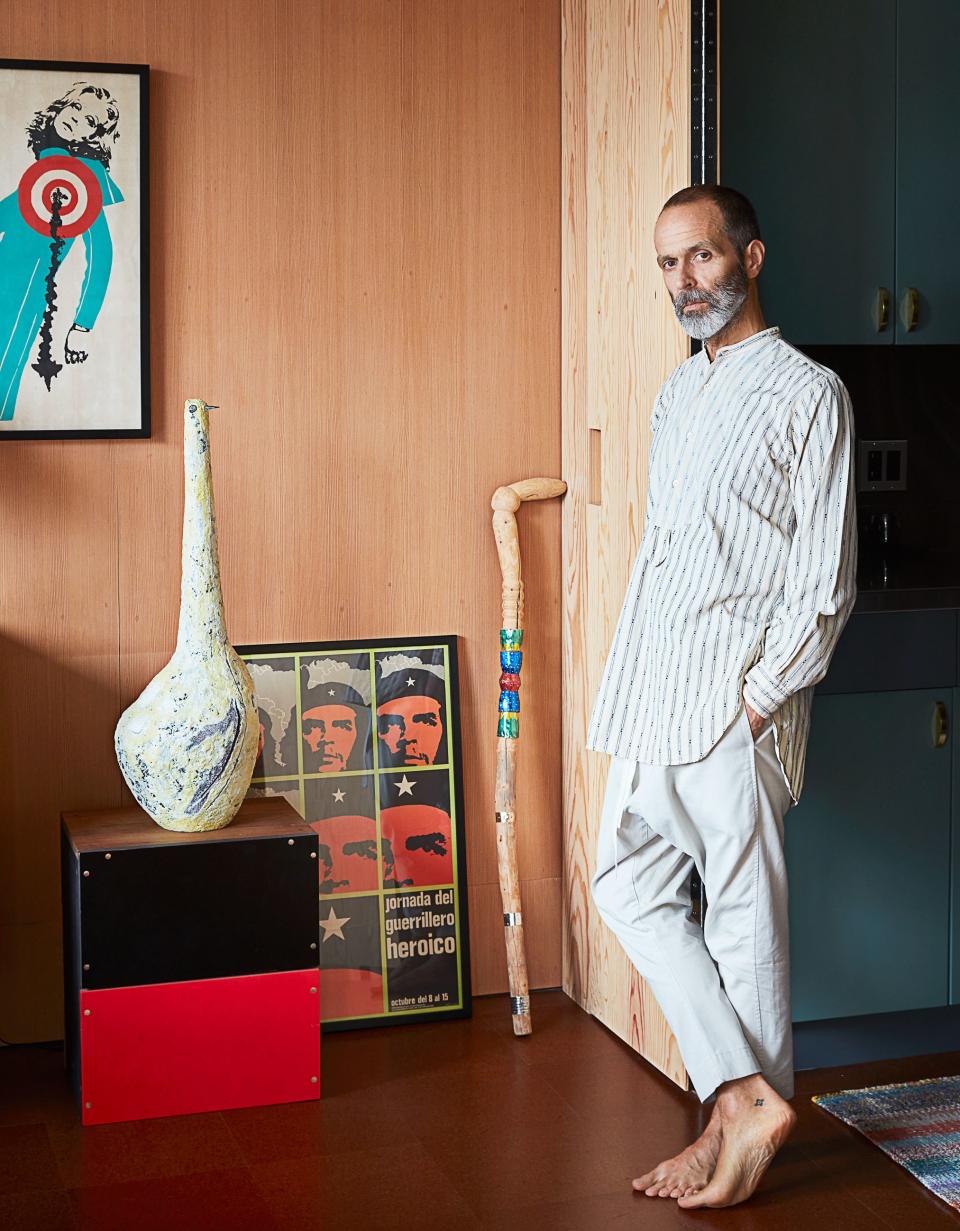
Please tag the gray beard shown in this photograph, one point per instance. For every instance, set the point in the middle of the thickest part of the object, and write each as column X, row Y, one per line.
column 723, row 304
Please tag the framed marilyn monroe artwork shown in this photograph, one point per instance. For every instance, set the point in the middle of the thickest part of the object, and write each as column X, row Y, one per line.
column 74, row 328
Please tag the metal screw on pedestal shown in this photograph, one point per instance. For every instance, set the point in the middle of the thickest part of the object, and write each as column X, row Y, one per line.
column 313, row 854
column 108, row 855
column 86, row 871
column 313, row 991
column 86, row 1012
column 314, row 1080
column 289, row 841
column 88, row 1106
column 86, row 965
column 313, row 944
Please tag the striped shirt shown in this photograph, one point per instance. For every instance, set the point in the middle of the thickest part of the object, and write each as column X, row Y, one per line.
column 746, row 570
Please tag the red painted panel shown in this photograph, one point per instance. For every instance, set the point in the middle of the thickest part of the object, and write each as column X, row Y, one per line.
column 174, row 1048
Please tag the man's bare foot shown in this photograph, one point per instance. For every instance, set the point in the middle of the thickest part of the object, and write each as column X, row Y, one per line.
column 755, row 1122
column 688, row 1171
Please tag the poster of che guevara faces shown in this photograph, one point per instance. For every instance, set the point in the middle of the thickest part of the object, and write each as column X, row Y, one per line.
column 363, row 740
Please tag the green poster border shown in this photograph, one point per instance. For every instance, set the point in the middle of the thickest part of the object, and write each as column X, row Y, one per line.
column 373, row 646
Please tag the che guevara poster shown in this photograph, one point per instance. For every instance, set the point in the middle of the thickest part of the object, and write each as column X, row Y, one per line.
column 363, row 739
column 73, row 250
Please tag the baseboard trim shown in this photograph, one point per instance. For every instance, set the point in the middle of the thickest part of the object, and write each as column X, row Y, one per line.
column 876, row 1036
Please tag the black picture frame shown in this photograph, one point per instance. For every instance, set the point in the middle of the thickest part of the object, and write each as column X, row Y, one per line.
column 62, row 71
column 289, row 765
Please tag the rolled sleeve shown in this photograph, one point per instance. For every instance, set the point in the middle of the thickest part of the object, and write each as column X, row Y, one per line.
column 819, row 587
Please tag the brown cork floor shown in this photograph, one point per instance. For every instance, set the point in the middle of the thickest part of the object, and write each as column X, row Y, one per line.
column 454, row 1125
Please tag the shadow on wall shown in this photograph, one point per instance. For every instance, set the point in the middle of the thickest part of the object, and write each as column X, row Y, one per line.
column 56, row 754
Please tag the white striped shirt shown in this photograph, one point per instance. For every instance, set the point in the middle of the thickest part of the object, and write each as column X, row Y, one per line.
column 746, row 570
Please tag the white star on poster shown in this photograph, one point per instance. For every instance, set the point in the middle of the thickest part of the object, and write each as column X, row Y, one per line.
column 405, row 785
column 338, row 796
column 333, row 925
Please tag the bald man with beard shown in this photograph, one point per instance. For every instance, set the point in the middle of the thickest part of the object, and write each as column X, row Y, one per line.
column 743, row 581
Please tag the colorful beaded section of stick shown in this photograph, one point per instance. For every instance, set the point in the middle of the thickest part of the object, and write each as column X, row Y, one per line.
column 511, row 660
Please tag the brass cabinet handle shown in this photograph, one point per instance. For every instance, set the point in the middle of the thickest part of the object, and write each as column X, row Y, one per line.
column 883, row 308
column 910, row 308
column 941, row 726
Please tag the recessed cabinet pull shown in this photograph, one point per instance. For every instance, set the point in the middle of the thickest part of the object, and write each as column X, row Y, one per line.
column 883, row 308
column 941, row 726
column 595, row 467
column 910, row 308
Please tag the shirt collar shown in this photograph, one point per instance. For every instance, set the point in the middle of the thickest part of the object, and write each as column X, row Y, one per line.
column 771, row 331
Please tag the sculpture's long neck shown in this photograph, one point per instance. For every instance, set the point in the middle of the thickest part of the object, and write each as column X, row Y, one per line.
column 202, row 624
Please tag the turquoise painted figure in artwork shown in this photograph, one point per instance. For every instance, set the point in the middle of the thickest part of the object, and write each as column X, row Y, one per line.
column 61, row 195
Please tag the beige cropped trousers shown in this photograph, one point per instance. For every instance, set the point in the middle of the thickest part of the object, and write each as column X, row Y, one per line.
column 723, row 988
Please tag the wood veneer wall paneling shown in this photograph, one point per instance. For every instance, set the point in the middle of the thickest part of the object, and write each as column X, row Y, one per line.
column 355, row 253
column 626, row 148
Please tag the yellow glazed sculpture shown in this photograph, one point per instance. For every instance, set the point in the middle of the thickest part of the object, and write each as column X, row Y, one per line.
column 187, row 745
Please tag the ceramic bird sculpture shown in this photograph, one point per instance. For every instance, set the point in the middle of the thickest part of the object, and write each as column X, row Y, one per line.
column 187, row 745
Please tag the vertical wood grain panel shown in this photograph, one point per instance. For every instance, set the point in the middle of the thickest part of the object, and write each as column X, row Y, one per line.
column 58, row 666
column 355, row 253
column 625, row 137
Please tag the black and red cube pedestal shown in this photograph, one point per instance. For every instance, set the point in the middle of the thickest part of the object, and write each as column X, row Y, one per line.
column 190, row 962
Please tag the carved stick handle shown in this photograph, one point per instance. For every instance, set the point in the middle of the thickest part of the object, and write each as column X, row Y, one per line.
column 506, row 500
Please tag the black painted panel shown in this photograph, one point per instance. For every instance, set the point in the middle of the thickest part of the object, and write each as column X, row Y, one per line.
column 165, row 914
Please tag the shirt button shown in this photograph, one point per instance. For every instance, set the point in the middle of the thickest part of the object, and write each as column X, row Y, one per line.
column 676, row 482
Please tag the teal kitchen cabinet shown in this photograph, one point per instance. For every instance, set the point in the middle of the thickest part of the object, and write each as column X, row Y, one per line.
column 836, row 120
column 807, row 123
column 868, row 856
column 928, row 170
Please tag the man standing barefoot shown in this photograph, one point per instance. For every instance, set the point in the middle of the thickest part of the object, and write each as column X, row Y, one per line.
column 743, row 581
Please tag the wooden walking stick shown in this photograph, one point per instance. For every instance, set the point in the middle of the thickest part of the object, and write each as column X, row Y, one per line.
column 505, row 502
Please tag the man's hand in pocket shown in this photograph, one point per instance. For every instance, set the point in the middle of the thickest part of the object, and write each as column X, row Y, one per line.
column 756, row 720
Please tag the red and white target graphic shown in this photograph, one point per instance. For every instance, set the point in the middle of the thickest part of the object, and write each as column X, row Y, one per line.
column 78, row 184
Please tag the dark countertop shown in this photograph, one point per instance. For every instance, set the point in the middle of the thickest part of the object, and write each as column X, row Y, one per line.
column 907, row 581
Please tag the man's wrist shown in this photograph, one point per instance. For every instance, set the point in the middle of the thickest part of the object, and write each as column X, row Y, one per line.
column 757, row 701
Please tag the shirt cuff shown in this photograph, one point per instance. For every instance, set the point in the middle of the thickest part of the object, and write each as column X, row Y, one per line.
column 760, row 691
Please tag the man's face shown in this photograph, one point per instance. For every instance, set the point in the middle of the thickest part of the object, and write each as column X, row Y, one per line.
column 411, row 729
column 348, row 853
column 702, row 272
column 419, row 837
column 330, row 731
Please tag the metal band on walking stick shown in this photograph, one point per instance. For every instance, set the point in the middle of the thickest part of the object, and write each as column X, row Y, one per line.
column 506, row 500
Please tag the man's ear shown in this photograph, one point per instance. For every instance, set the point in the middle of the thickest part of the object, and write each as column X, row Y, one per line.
column 753, row 256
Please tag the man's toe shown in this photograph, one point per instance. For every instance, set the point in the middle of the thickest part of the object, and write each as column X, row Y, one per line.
column 701, row 1197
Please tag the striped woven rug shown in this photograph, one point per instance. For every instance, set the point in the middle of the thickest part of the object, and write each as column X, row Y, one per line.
column 916, row 1122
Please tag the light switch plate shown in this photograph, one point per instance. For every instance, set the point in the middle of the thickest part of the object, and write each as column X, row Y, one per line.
column 881, row 465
